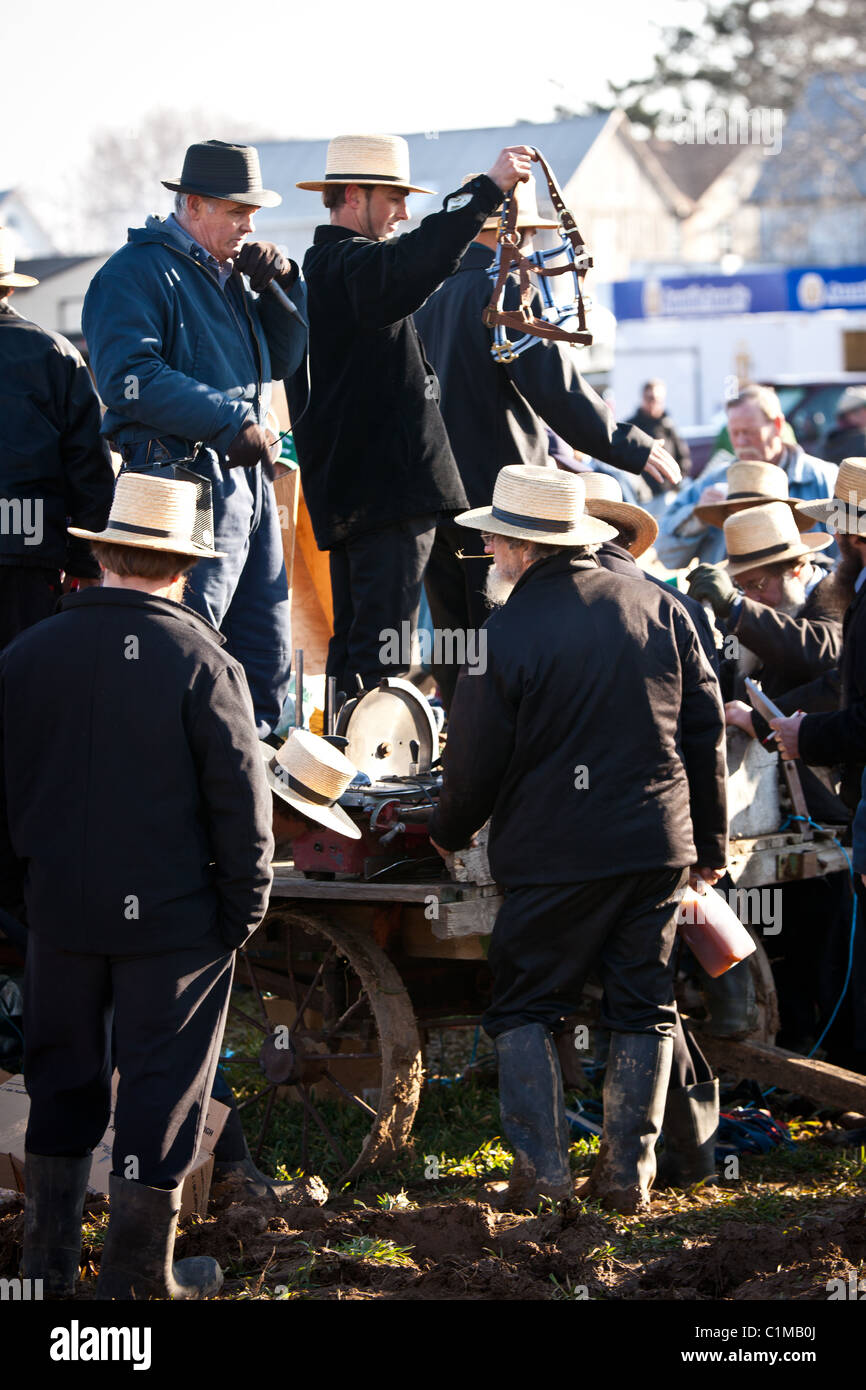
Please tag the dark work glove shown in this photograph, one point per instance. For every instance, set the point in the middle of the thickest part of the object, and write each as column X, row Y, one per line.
column 248, row 447
column 262, row 262
column 713, row 585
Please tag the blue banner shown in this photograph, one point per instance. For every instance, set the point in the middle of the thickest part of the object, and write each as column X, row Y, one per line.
column 817, row 287
column 806, row 289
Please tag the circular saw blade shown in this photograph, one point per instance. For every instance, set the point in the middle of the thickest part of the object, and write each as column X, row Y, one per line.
column 391, row 731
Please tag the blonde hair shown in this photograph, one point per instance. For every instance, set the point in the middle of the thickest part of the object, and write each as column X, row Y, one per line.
column 764, row 397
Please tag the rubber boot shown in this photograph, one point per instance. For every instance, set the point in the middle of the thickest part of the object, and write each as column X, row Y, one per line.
column 689, row 1129
column 532, row 1110
column 53, row 1206
column 731, row 1001
column 635, row 1088
column 137, row 1256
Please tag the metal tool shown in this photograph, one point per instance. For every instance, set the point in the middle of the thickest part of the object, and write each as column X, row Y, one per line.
column 765, row 707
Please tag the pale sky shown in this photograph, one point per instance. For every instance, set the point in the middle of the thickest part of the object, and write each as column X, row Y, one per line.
column 310, row 70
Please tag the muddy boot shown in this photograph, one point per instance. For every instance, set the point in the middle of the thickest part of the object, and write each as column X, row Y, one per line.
column 731, row 1002
column 635, row 1088
column 690, row 1126
column 136, row 1259
column 234, row 1162
column 532, row 1110
column 54, row 1201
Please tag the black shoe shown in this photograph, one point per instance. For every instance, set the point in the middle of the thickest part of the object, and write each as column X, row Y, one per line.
column 137, row 1256
column 53, row 1206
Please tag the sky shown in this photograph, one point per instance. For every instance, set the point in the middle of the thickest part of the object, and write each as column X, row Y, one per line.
column 309, row 70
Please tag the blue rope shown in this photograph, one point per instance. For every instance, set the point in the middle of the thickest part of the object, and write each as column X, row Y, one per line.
column 815, row 826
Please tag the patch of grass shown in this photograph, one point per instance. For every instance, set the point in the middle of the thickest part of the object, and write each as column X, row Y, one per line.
column 384, row 1252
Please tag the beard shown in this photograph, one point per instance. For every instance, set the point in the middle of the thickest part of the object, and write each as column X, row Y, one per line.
column 497, row 586
column 847, row 570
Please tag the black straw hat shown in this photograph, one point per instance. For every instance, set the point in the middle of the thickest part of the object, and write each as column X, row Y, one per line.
column 214, row 169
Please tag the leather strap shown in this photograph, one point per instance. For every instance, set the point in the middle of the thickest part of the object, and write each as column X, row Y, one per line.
column 523, row 318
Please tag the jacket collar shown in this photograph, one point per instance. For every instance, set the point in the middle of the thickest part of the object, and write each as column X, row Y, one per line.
column 562, row 562
column 618, row 552
column 476, row 257
column 331, row 232
column 135, row 598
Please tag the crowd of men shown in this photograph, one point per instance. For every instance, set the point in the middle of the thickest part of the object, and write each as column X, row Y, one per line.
column 138, row 758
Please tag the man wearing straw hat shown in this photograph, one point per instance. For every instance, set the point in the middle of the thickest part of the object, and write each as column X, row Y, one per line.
column 184, row 351
column 757, row 428
column 53, row 464
column 376, row 465
column 496, row 413
column 596, row 715
column 135, row 826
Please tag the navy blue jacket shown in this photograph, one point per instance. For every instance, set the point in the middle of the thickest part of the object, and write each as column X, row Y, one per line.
column 54, row 466
column 135, row 815
column 174, row 355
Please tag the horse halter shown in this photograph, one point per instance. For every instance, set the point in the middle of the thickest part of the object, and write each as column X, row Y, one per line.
column 541, row 264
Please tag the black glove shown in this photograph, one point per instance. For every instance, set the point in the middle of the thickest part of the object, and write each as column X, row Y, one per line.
column 713, row 585
column 262, row 262
column 248, row 447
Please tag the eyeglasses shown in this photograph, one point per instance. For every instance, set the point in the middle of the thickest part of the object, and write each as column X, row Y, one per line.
column 754, row 586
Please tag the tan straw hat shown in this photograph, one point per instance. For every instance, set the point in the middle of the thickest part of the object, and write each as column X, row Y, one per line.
column 8, row 276
column 153, row 514
column 604, row 500
column 751, row 485
column 311, row 775
column 527, row 207
column 532, row 503
column 367, row 160
column 846, row 509
column 765, row 535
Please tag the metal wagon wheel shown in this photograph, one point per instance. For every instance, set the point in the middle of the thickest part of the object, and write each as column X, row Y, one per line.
column 351, row 1022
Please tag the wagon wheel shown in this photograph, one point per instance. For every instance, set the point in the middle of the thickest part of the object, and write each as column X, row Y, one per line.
column 765, row 994
column 348, row 1007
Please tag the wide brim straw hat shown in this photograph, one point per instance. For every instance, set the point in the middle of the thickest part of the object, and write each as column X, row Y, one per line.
column 528, row 215
column 311, row 775
column 751, row 484
column 9, row 277
column 152, row 514
column 368, row 160
column 637, row 528
column 214, row 169
column 531, row 503
column 766, row 535
column 846, row 509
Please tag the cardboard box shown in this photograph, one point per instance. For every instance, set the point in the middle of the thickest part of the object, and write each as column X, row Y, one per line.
column 14, row 1112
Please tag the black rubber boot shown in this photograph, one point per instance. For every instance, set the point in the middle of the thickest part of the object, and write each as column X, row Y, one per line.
column 53, row 1205
column 233, row 1161
column 635, row 1088
column 689, row 1129
column 137, row 1256
column 731, row 1001
column 532, row 1110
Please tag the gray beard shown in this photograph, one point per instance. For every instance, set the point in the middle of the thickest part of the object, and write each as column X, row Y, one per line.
column 496, row 587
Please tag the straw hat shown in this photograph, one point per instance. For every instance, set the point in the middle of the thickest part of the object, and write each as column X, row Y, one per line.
column 311, row 775
column 532, row 503
column 765, row 535
column 527, row 207
column 368, row 160
column 214, row 169
column 751, row 485
column 604, row 500
column 845, row 510
column 7, row 264
column 154, row 514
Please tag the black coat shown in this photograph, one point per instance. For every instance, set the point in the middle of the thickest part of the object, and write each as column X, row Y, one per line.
column 840, row 736
column 135, row 815
column 371, row 442
column 51, row 451
column 586, row 669
column 621, row 561
column 495, row 413
column 844, row 442
column 665, row 430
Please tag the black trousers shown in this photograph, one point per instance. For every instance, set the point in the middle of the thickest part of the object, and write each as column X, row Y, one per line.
column 28, row 593
column 376, row 587
column 168, row 1012
column 455, row 592
column 547, row 939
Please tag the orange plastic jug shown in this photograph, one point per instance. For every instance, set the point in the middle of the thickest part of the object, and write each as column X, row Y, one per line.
column 712, row 931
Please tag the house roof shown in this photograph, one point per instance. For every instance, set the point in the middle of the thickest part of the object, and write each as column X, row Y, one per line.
column 823, row 154
column 44, row 267
column 693, row 168
column 438, row 160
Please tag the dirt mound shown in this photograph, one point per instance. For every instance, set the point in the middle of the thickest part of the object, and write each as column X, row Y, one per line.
column 438, row 1232
column 11, row 1236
